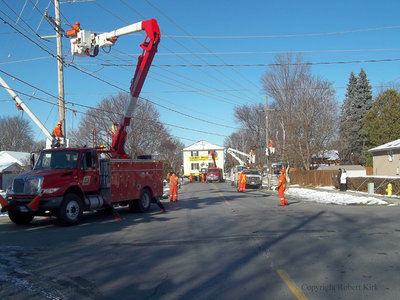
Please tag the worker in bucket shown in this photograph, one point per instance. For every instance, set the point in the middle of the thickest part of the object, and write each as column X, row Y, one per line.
column 173, row 187
column 57, row 135
column 282, row 186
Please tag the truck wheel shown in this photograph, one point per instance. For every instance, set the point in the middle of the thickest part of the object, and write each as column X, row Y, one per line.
column 143, row 204
column 71, row 210
column 20, row 218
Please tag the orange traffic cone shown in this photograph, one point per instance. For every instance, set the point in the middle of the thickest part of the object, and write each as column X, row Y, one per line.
column 34, row 204
column 3, row 202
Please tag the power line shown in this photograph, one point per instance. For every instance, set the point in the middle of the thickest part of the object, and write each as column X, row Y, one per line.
column 204, row 47
column 284, row 35
column 90, row 107
column 100, row 79
column 290, row 64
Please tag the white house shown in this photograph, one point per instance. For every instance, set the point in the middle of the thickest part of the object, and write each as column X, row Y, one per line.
column 11, row 164
column 197, row 156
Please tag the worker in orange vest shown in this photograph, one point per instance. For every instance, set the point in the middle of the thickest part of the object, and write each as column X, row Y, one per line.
column 242, row 183
column 191, row 178
column 173, row 186
column 57, row 135
column 238, row 181
column 202, row 178
column 282, row 186
column 58, row 130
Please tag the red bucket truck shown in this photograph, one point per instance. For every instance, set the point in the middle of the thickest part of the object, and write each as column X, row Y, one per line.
column 67, row 181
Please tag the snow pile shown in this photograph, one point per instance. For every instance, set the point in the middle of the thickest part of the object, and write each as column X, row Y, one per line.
column 341, row 198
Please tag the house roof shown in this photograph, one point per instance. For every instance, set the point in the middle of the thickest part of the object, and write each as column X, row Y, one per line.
column 327, row 155
column 388, row 146
column 203, row 145
column 9, row 158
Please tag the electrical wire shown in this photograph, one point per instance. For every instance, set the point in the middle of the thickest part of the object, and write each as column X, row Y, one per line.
column 286, row 35
column 101, row 110
column 209, row 75
column 204, row 47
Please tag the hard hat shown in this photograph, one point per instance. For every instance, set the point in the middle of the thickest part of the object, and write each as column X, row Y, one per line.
column 243, row 172
column 77, row 23
column 283, row 170
column 59, row 123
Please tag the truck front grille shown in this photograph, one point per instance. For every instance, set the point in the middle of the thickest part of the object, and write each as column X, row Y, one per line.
column 29, row 186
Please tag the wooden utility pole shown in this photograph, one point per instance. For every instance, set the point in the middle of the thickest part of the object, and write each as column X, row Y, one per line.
column 266, row 144
column 60, row 65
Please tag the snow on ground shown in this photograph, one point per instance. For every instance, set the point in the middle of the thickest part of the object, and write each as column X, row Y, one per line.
column 333, row 197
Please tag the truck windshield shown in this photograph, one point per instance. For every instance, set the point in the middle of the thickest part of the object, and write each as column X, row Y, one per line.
column 61, row 159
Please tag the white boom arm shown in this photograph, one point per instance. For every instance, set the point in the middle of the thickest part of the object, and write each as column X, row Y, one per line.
column 87, row 42
column 26, row 109
column 250, row 157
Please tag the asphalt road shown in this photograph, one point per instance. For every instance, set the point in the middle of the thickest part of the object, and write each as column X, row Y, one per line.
column 214, row 243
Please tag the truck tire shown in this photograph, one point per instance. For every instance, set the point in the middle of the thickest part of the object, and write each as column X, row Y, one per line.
column 143, row 204
column 71, row 210
column 20, row 218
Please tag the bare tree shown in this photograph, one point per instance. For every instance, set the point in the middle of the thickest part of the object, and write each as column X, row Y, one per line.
column 146, row 134
column 306, row 109
column 16, row 135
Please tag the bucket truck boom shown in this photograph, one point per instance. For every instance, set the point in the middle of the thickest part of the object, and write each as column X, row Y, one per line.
column 26, row 109
column 85, row 43
column 65, row 182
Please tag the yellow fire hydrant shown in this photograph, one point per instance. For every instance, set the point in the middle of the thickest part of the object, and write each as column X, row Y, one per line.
column 389, row 189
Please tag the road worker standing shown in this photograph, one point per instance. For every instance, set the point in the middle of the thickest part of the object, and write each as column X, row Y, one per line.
column 282, row 186
column 238, row 181
column 243, row 181
column 173, row 186
column 191, row 178
column 203, row 180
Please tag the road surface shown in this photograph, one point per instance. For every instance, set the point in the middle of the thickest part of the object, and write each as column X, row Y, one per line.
column 214, row 243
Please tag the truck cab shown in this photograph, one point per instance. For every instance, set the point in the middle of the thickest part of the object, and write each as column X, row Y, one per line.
column 58, row 176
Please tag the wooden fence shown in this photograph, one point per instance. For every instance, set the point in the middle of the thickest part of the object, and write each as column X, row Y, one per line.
column 314, row 177
column 329, row 178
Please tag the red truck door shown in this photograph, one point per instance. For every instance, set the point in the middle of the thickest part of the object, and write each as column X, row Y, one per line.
column 89, row 177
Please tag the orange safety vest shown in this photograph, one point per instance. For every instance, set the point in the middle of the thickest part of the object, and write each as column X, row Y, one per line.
column 57, row 131
column 243, row 178
column 174, row 180
column 282, row 182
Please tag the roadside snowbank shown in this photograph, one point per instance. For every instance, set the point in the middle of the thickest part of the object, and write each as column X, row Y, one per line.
column 340, row 198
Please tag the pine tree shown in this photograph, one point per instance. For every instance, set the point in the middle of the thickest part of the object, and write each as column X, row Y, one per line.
column 363, row 104
column 346, row 120
column 357, row 103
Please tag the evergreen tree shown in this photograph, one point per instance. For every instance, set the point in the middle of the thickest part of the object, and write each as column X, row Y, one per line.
column 364, row 103
column 357, row 103
column 345, row 149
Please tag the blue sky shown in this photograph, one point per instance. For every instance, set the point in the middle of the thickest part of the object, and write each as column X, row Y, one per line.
column 242, row 38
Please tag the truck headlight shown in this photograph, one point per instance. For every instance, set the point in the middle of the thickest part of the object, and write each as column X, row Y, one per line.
column 50, row 190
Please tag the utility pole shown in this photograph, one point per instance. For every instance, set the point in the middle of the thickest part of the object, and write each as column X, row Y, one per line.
column 60, row 65
column 266, row 144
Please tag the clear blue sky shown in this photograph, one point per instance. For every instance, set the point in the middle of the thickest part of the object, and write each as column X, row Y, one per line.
column 247, row 35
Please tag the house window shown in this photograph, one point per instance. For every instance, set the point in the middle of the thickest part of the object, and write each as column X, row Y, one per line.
column 194, row 153
column 195, row 166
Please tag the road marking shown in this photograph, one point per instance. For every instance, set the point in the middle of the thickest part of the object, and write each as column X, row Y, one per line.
column 219, row 193
column 291, row 285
